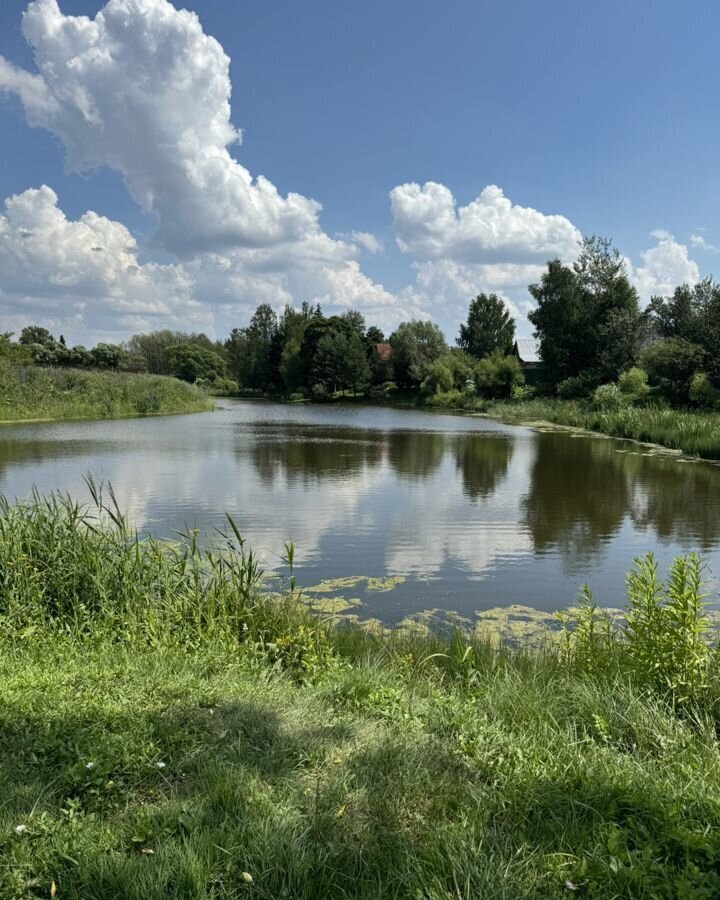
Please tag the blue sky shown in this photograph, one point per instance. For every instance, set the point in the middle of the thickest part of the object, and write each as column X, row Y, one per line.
column 602, row 114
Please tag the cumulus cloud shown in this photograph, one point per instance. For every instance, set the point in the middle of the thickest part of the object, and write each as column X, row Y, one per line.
column 490, row 245
column 85, row 271
column 429, row 223
column 663, row 267
column 143, row 90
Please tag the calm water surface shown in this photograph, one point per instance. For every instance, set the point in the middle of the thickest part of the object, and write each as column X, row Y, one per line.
column 473, row 513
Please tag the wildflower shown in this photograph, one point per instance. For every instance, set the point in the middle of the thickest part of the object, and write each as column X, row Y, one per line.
column 89, row 765
column 20, row 829
column 160, row 765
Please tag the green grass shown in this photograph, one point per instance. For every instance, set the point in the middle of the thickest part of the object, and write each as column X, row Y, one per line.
column 30, row 392
column 695, row 433
column 168, row 731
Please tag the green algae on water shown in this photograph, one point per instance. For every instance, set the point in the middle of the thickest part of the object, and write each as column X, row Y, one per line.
column 334, row 585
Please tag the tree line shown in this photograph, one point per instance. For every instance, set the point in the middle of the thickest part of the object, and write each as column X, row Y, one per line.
column 594, row 340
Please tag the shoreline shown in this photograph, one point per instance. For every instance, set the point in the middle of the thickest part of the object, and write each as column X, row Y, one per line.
column 153, row 415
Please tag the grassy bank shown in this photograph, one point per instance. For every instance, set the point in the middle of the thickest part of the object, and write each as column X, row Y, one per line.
column 168, row 731
column 695, row 433
column 30, row 392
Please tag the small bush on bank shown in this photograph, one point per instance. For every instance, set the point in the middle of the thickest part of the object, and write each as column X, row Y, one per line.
column 702, row 392
column 574, row 388
column 496, row 376
column 609, row 398
column 633, row 383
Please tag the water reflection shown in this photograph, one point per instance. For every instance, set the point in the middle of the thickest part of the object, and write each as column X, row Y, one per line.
column 477, row 513
column 308, row 454
column 583, row 491
column 578, row 496
column 482, row 463
column 416, row 454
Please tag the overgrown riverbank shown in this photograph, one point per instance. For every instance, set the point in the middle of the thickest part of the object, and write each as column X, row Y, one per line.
column 34, row 393
column 695, row 433
column 167, row 730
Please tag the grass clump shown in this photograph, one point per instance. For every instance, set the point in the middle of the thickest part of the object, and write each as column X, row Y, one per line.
column 695, row 433
column 167, row 730
column 31, row 392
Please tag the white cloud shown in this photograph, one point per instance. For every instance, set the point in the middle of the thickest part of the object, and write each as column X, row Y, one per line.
column 366, row 241
column 143, row 90
column 84, row 272
column 490, row 245
column 663, row 267
column 697, row 240
column 490, row 229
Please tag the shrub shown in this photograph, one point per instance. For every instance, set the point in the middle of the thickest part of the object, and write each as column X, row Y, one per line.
column 608, row 397
column 454, row 398
column 671, row 365
column 224, row 386
column 496, row 375
column 634, row 383
column 438, row 379
column 296, row 397
column 573, row 388
column 320, row 391
column 702, row 392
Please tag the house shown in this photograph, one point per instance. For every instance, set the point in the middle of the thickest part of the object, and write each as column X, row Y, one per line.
column 384, row 351
column 527, row 350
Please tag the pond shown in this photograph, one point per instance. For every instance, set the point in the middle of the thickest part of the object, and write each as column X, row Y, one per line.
column 465, row 513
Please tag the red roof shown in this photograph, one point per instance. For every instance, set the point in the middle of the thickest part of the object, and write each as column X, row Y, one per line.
column 384, row 351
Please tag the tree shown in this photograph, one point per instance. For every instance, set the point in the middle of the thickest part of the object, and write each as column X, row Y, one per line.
column 107, row 356
column 671, row 365
column 193, row 362
column 496, row 375
column 587, row 317
column 357, row 373
column 439, row 378
column 35, row 334
column 415, row 345
column 692, row 314
column 249, row 349
column 489, row 327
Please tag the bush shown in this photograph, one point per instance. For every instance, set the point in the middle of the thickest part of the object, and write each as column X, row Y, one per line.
column 523, row 392
column 224, row 387
column 438, row 379
column 608, row 397
column 702, row 392
column 671, row 365
column 454, row 399
column 496, row 376
column 320, row 391
column 634, row 383
column 297, row 397
column 574, row 388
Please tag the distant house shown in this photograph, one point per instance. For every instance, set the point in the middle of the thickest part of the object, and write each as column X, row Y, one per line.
column 384, row 351
column 527, row 350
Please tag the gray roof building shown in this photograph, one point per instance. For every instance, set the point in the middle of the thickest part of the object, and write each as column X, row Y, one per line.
column 527, row 351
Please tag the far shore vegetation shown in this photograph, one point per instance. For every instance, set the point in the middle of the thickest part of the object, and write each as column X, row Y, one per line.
column 34, row 393
column 168, row 729
column 601, row 362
